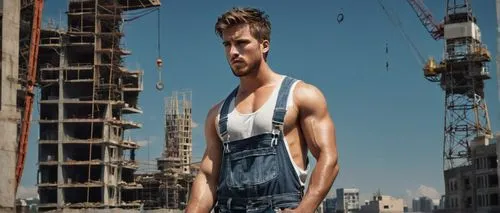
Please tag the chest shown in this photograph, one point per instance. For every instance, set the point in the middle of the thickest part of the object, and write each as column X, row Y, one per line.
column 253, row 115
column 248, row 103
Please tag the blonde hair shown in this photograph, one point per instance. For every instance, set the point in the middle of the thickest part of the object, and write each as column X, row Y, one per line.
column 258, row 21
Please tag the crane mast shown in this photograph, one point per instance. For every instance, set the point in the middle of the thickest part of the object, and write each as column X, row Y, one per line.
column 29, row 92
column 461, row 75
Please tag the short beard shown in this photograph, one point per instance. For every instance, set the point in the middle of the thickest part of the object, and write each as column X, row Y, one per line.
column 252, row 69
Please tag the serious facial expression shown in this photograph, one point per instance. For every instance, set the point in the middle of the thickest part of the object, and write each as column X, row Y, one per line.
column 243, row 52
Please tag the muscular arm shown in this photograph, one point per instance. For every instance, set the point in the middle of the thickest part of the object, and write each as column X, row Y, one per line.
column 319, row 132
column 203, row 191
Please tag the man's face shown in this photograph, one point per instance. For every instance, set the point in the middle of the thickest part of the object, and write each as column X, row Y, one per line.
column 243, row 52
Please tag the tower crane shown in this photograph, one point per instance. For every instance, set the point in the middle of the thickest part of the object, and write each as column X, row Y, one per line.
column 461, row 75
column 30, row 84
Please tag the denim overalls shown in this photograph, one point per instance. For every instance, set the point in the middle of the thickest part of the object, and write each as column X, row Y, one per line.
column 256, row 173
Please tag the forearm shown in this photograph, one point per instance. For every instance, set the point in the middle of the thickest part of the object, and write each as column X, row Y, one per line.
column 322, row 178
column 202, row 196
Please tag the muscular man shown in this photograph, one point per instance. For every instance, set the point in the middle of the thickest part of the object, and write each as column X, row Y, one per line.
column 259, row 136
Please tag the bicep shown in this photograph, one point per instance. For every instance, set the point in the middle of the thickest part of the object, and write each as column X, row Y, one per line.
column 316, row 123
column 210, row 163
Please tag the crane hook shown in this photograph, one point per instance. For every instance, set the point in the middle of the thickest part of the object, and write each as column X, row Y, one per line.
column 340, row 16
column 159, row 85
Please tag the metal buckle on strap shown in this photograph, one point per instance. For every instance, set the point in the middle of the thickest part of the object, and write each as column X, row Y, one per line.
column 226, row 147
column 275, row 135
column 228, row 203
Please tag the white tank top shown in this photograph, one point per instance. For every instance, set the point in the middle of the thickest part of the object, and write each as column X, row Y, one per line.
column 245, row 125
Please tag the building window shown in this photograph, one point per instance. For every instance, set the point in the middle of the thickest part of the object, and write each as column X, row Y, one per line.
column 492, row 162
column 493, row 181
column 467, row 183
column 469, row 202
column 480, row 200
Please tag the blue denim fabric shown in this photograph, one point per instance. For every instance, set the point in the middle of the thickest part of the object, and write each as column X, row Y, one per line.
column 256, row 173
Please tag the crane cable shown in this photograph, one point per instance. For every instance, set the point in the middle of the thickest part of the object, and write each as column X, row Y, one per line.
column 143, row 13
column 387, row 56
column 396, row 21
column 159, row 62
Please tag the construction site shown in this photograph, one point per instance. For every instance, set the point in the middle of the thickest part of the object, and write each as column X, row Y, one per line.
column 84, row 160
column 86, row 92
column 87, row 97
column 470, row 160
column 168, row 186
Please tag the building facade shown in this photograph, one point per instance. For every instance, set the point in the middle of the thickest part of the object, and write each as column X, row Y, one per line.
column 86, row 92
column 422, row 204
column 347, row 200
column 474, row 187
column 383, row 204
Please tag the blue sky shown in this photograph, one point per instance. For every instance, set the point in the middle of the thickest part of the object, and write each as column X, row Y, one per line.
column 389, row 123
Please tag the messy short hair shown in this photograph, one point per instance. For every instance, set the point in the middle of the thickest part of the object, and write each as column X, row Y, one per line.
column 258, row 21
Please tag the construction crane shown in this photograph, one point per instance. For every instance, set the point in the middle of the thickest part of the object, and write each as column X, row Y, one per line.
column 436, row 30
column 30, row 84
column 461, row 75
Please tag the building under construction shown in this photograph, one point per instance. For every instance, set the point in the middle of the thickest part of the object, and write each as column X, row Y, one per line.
column 474, row 188
column 84, row 160
column 18, row 20
column 178, row 136
column 169, row 187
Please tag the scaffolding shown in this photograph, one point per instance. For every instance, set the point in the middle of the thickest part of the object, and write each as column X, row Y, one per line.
column 175, row 162
column 178, row 125
column 84, row 160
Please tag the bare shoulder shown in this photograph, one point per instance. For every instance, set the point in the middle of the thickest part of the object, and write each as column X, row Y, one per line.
column 212, row 113
column 309, row 97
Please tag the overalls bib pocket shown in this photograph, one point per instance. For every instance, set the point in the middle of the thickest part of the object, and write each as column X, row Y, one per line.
column 252, row 167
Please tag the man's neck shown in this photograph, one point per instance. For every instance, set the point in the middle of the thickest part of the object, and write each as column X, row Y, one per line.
column 262, row 78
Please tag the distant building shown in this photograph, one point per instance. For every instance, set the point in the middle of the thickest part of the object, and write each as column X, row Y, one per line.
column 347, row 200
column 383, row 204
column 195, row 168
column 442, row 202
column 321, row 208
column 28, row 205
column 22, row 206
column 475, row 187
column 422, row 204
column 329, row 205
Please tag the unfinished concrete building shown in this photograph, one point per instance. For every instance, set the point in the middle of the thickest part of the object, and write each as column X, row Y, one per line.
column 169, row 187
column 474, row 188
column 84, row 160
column 15, row 27
column 9, row 116
column 176, row 158
column 150, row 194
column 155, row 186
column 178, row 136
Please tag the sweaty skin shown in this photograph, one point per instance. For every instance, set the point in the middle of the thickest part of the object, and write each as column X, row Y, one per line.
column 308, row 125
